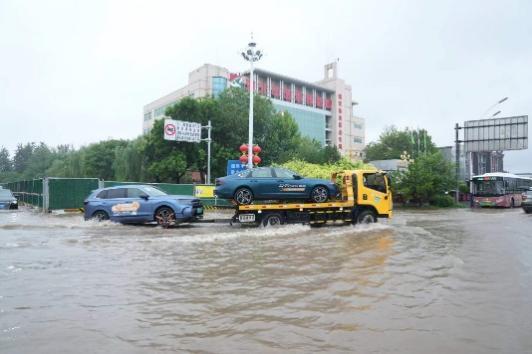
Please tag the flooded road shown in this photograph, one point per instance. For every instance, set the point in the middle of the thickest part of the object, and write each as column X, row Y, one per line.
column 455, row 281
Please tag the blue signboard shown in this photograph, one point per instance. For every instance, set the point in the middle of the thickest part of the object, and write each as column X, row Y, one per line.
column 234, row 166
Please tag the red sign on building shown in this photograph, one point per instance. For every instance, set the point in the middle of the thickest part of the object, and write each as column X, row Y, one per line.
column 310, row 99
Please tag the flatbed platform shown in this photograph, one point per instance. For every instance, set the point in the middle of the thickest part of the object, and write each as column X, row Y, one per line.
column 296, row 206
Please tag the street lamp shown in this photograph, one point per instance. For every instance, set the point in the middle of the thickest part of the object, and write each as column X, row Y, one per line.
column 251, row 54
column 493, row 106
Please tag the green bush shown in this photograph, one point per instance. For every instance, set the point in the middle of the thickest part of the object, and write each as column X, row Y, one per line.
column 443, row 201
column 324, row 171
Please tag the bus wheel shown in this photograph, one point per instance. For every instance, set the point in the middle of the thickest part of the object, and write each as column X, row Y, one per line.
column 272, row 220
column 366, row 217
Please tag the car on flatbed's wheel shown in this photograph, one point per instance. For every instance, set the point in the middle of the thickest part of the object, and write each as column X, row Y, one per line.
column 273, row 183
column 137, row 204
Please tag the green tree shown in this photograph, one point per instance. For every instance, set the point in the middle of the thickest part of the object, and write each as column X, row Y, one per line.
column 426, row 179
column 129, row 161
column 22, row 156
column 98, row 159
column 40, row 160
column 282, row 139
column 159, row 151
column 5, row 161
column 393, row 143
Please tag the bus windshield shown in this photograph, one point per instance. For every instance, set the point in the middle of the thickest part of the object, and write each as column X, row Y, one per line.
column 489, row 188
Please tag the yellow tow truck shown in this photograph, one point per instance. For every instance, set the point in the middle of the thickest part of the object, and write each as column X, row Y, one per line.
column 364, row 196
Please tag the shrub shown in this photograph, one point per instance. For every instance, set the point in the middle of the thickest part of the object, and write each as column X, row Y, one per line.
column 443, row 201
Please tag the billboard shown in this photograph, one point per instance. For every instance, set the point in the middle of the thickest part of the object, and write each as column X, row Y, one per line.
column 179, row 130
column 496, row 134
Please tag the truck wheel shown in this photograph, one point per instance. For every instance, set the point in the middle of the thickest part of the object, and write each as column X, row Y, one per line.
column 243, row 196
column 366, row 217
column 319, row 194
column 272, row 220
column 100, row 215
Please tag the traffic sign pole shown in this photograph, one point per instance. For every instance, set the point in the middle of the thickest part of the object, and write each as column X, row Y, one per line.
column 208, row 140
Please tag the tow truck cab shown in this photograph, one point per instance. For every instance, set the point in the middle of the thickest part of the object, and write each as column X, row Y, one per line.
column 364, row 196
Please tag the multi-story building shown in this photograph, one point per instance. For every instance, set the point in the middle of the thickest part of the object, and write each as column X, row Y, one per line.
column 322, row 110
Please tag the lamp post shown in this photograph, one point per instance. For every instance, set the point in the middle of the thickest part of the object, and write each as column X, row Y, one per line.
column 251, row 54
column 493, row 106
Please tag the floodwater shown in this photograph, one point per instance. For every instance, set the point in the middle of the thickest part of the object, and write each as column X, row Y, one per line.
column 446, row 281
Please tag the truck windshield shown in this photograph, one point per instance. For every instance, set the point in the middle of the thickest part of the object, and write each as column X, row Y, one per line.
column 489, row 188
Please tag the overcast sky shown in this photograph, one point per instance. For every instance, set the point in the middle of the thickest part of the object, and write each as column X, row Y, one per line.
column 74, row 72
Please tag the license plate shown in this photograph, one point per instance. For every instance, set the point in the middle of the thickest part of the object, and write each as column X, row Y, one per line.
column 246, row 218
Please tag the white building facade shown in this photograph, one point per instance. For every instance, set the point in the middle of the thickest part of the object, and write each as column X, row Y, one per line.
column 323, row 110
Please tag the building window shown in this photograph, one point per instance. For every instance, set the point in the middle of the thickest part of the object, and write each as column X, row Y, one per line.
column 358, row 140
column 358, row 126
column 159, row 111
column 219, row 84
column 147, row 116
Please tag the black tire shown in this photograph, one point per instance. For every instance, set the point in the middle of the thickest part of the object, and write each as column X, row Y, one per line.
column 528, row 211
column 243, row 196
column 100, row 215
column 366, row 217
column 272, row 220
column 319, row 194
column 165, row 216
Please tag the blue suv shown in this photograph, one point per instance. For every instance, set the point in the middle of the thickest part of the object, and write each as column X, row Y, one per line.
column 135, row 204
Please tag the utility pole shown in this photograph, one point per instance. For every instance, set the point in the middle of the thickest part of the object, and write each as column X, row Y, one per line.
column 457, row 152
column 208, row 140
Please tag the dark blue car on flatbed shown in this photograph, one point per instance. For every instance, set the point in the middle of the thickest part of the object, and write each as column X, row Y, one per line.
column 136, row 204
column 273, row 183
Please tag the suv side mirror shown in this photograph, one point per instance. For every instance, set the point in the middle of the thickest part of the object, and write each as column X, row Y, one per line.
column 297, row 177
column 145, row 196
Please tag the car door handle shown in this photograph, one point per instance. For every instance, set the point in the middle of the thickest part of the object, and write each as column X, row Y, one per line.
column 280, row 180
column 364, row 196
column 385, row 197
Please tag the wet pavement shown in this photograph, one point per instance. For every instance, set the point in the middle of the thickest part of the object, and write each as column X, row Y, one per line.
column 440, row 281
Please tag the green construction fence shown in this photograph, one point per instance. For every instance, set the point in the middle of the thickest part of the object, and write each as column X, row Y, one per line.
column 53, row 193
column 69, row 193
column 28, row 192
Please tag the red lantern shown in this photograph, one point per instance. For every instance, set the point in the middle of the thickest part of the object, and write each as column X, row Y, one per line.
column 256, row 160
column 256, row 149
column 243, row 148
column 243, row 159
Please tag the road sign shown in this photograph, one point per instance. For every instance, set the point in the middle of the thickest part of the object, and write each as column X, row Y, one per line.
column 188, row 131
column 169, row 129
column 496, row 134
column 234, row 166
column 179, row 130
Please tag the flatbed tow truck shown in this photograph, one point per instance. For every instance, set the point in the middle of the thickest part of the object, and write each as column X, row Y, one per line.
column 364, row 196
